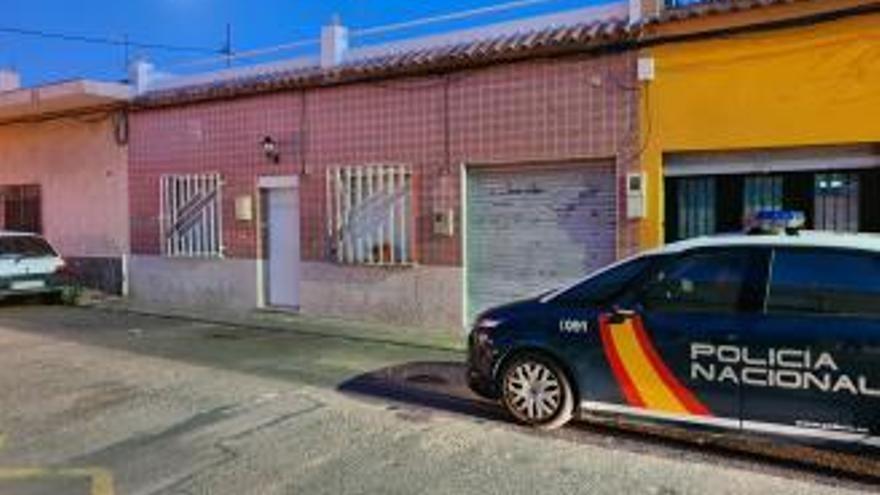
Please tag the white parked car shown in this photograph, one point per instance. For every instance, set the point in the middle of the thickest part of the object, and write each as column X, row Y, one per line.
column 29, row 266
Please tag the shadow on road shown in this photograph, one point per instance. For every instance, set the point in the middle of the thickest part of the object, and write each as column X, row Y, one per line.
column 441, row 387
column 433, row 385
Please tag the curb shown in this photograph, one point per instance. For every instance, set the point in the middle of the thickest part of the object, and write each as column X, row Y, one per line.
column 315, row 327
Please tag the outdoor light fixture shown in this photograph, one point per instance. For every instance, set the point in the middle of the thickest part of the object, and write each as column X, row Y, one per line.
column 271, row 149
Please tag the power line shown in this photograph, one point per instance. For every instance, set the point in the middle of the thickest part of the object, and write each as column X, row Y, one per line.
column 374, row 30
column 123, row 42
column 452, row 16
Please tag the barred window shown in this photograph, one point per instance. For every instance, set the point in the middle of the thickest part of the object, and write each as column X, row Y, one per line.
column 370, row 214
column 190, row 215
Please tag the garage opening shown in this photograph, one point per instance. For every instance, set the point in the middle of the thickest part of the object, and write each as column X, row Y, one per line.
column 531, row 229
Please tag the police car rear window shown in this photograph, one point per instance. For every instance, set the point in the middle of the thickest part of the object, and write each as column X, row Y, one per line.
column 815, row 281
column 25, row 246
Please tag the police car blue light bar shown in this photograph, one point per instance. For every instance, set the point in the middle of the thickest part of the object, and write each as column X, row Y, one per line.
column 775, row 222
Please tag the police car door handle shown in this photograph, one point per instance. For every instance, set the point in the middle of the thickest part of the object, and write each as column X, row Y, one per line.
column 620, row 315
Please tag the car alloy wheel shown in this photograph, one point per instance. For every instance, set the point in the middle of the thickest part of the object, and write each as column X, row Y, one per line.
column 537, row 392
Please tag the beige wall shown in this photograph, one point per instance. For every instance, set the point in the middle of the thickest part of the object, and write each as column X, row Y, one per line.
column 83, row 177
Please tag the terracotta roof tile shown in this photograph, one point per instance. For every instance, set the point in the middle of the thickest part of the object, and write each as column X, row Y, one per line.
column 523, row 44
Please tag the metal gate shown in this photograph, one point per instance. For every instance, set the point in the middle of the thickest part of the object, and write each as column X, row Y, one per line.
column 536, row 228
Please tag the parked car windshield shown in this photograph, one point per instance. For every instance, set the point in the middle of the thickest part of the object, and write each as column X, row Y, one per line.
column 25, row 246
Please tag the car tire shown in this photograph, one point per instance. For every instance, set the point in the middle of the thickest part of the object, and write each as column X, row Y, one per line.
column 536, row 391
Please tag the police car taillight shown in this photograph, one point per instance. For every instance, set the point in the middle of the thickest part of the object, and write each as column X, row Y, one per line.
column 775, row 222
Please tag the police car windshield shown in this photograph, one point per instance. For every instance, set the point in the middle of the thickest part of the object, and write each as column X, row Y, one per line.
column 25, row 246
column 606, row 285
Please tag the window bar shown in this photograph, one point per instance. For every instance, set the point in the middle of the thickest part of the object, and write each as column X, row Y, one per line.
column 184, row 199
column 356, row 208
column 328, row 213
column 200, row 237
column 162, row 243
column 404, row 245
column 392, row 191
column 337, row 233
column 206, row 211
column 349, row 254
column 209, row 218
column 370, row 201
column 221, row 248
column 174, row 186
column 188, row 232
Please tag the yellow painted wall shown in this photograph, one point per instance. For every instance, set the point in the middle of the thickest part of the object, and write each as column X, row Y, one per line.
column 802, row 86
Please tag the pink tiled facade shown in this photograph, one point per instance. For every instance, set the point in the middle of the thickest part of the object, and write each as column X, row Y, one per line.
column 562, row 109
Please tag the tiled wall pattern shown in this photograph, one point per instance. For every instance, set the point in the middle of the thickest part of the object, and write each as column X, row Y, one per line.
column 535, row 111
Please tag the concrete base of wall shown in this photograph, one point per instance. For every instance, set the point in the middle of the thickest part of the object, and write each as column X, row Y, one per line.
column 103, row 274
column 229, row 284
column 425, row 296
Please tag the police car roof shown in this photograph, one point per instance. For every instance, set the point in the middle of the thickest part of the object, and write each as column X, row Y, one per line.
column 831, row 240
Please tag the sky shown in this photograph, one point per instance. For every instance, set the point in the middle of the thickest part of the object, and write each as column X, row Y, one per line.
column 202, row 24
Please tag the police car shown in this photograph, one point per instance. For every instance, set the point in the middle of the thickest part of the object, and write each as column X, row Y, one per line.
column 775, row 333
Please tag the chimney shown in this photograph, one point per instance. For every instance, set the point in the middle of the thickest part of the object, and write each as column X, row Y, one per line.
column 644, row 10
column 140, row 72
column 334, row 43
column 10, row 80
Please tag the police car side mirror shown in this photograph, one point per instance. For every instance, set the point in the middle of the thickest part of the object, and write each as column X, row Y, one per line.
column 619, row 315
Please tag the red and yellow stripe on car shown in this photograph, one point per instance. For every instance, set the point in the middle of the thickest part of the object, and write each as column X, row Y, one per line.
column 643, row 377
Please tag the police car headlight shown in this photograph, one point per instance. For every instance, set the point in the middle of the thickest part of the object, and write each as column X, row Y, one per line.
column 482, row 330
column 488, row 323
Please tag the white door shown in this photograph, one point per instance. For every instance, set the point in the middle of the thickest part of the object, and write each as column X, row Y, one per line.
column 530, row 229
column 282, row 266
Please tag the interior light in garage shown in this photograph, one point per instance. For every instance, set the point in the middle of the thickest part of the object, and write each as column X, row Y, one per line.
column 271, row 149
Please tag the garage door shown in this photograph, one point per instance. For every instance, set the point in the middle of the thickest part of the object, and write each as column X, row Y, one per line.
column 533, row 229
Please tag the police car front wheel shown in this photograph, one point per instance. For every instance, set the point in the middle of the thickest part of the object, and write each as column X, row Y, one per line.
column 536, row 392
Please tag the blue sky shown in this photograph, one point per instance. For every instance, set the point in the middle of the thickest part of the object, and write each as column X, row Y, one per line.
column 202, row 23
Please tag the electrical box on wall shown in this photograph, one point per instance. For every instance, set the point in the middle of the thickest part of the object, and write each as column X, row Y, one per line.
column 244, row 208
column 636, row 195
column 444, row 223
column 645, row 69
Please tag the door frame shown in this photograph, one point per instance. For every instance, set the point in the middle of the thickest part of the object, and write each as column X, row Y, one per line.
column 264, row 185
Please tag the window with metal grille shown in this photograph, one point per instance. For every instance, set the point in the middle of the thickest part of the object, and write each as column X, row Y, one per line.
column 696, row 207
column 837, row 202
column 762, row 193
column 370, row 214
column 21, row 208
column 191, row 219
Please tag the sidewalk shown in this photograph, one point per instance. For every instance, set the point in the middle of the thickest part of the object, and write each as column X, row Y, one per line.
column 439, row 339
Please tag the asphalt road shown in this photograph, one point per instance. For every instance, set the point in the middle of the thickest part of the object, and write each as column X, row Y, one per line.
column 101, row 403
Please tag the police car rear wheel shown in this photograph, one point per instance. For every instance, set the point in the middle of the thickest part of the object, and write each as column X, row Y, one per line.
column 537, row 393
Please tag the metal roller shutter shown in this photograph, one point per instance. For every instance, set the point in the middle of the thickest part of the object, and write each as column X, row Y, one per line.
column 532, row 229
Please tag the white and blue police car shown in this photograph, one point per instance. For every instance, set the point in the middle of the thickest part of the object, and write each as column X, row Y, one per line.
column 773, row 331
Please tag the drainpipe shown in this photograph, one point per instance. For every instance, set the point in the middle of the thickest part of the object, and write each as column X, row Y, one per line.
column 334, row 43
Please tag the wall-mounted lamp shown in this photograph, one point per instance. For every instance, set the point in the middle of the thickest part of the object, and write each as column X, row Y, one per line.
column 271, row 149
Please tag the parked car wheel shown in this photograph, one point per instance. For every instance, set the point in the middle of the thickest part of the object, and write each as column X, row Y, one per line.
column 536, row 392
